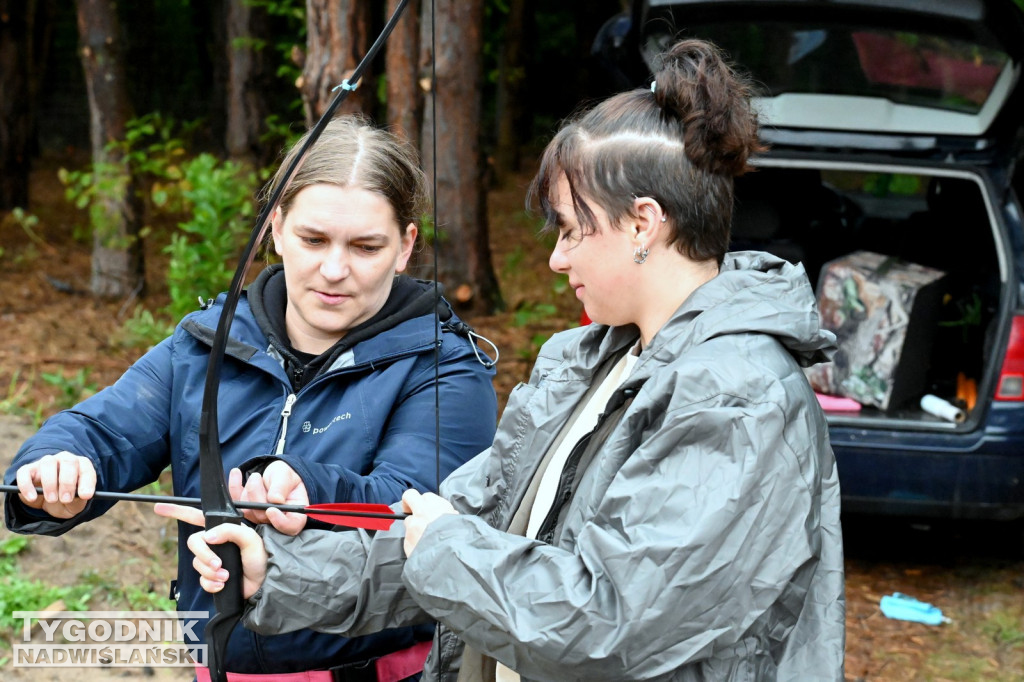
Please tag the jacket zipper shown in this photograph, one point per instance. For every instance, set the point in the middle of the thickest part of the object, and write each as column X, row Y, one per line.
column 546, row 532
column 285, row 413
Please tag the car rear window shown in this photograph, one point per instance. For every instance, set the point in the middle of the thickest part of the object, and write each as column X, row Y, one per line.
column 904, row 68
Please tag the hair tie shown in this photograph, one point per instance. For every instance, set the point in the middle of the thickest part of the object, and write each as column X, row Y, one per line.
column 653, row 84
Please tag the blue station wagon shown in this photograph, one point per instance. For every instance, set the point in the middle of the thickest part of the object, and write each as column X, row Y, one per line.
column 896, row 132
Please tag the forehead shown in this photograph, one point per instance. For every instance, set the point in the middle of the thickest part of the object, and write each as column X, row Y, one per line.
column 584, row 211
column 326, row 206
column 560, row 194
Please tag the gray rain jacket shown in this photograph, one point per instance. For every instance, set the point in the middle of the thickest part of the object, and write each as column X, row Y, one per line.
column 698, row 536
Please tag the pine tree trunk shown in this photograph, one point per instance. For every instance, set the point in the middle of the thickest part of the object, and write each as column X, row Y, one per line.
column 117, row 260
column 15, row 116
column 465, row 255
column 248, row 81
column 401, row 59
column 511, row 86
column 336, row 39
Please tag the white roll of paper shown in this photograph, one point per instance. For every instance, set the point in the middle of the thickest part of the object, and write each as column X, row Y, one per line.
column 943, row 409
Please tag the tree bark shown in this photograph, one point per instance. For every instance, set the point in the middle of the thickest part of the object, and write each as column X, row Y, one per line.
column 336, row 39
column 462, row 231
column 401, row 59
column 116, row 217
column 511, row 87
column 248, row 81
column 42, row 17
column 15, row 98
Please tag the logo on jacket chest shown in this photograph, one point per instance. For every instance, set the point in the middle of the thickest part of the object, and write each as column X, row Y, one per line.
column 307, row 427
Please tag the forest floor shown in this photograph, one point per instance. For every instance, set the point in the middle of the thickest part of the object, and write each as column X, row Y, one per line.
column 56, row 342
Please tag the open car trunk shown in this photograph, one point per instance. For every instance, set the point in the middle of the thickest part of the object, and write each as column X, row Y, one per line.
column 907, row 268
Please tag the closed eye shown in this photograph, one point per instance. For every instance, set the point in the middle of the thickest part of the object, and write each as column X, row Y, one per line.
column 569, row 234
column 558, row 222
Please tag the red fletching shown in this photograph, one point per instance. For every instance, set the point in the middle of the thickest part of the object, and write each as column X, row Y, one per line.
column 354, row 515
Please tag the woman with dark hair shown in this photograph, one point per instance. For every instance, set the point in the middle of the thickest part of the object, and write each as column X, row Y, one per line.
column 332, row 369
column 660, row 500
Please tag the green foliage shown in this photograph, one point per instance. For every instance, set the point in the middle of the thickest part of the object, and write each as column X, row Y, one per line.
column 218, row 196
column 149, row 155
column 560, row 286
column 17, row 403
column 13, row 545
column 146, row 599
column 427, row 231
column 19, row 594
column 514, row 260
column 969, row 319
column 280, row 132
column 529, row 353
column 96, row 190
column 292, row 14
column 71, row 389
column 528, row 314
column 152, row 145
column 128, row 597
column 144, row 329
column 163, row 485
column 955, row 667
column 27, row 222
column 1004, row 626
column 885, row 184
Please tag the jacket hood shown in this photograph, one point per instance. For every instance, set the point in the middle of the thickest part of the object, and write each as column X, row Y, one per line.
column 755, row 292
column 268, row 297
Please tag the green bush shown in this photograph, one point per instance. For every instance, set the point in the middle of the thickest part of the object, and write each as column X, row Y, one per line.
column 218, row 198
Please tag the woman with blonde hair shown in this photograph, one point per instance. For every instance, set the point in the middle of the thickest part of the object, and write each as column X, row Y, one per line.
column 332, row 365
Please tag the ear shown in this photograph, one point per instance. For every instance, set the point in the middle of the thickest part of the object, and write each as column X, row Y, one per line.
column 648, row 223
column 405, row 248
column 277, row 229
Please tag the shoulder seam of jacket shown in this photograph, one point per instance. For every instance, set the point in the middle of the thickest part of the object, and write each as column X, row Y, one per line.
column 235, row 348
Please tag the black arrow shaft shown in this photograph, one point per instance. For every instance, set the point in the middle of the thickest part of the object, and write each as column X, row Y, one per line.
column 196, row 502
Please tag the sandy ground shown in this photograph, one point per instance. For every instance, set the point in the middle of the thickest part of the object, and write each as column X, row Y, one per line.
column 129, row 544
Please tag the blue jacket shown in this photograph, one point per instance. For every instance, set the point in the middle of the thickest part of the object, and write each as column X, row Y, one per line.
column 361, row 431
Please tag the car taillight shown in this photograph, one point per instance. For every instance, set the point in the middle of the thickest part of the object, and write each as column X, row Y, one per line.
column 1011, row 378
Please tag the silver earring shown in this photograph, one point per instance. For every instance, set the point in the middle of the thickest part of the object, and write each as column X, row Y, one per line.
column 640, row 254
column 664, row 218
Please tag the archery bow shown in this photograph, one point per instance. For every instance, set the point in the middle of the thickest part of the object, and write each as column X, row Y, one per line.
column 215, row 499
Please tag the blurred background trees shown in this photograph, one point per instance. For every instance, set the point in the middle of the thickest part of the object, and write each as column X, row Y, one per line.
column 125, row 97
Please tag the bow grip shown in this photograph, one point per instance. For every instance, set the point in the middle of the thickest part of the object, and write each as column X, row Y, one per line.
column 229, row 602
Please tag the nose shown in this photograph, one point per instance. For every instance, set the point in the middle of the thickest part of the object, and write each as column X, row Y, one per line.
column 558, row 260
column 334, row 266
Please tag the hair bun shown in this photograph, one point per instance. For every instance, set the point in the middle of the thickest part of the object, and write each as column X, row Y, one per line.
column 696, row 83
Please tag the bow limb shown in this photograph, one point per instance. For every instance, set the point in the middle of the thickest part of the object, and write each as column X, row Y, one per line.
column 216, row 501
